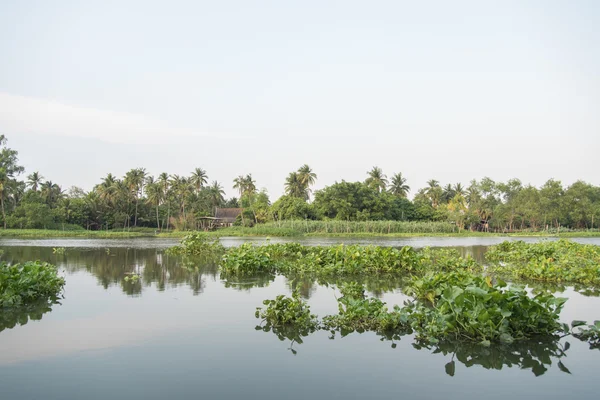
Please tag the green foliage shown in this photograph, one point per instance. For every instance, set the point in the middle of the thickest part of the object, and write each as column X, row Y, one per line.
column 559, row 261
column 534, row 354
column 446, row 307
column 59, row 250
column 461, row 306
column 25, row 283
column 367, row 227
column 587, row 333
column 358, row 313
column 287, row 317
column 132, row 278
column 197, row 244
column 13, row 316
column 295, row 259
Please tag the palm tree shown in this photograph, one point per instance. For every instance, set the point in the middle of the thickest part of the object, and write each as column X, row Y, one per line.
column 135, row 181
column 307, row 176
column 163, row 179
column 216, row 194
column 399, row 186
column 238, row 183
column 458, row 189
column 51, row 192
column 34, row 180
column 294, row 186
column 434, row 192
column 154, row 195
column 4, row 182
column 245, row 185
column 448, row 193
column 181, row 187
column 377, row 179
column 199, row 178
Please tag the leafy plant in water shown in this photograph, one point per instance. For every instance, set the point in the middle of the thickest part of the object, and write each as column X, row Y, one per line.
column 59, row 250
column 132, row 278
column 27, row 282
column 559, row 261
column 197, row 244
column 359, row 313
column 459, row 306
column 587, row 333
column 288, row 318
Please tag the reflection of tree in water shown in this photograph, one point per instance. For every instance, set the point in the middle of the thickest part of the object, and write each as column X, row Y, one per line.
column 111, row 267
column 11, row 317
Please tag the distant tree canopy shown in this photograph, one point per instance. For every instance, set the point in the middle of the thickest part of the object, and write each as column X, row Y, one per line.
column 179, row 202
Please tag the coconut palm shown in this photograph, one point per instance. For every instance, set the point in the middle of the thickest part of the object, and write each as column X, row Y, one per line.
column 238, row 183
column 216, row 194
column 307, row 176
column 199, row 178
column 434, row 192
column 34, row 180
column 377, row 179
column 448, row 193
column 294, row 186
column 134, row 179
column 459, row 189
column 399, row 186
column 154, row 194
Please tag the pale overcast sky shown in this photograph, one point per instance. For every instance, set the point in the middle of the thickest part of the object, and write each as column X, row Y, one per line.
column 451, row 90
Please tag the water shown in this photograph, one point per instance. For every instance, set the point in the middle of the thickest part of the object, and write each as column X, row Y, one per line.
column 183, row 333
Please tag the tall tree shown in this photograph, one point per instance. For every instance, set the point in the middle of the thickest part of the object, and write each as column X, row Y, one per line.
column 134, row 179
column 377, row 179
column 294, row 186
column 34, row 180
column 398, row 186
column 307, row 178
column 199, row 179
column 9, row 169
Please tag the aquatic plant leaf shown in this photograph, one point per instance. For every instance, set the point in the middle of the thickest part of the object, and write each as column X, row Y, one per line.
column 450, row 368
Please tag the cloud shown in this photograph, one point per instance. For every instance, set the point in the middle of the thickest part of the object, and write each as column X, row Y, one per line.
column 27, row 115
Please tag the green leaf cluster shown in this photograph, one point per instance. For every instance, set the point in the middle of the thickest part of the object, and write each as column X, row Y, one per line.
column 197, row 244
column 21, row 284
column 461, row 306
column 559, row 261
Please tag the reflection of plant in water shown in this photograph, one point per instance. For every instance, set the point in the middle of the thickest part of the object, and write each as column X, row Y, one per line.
column 587, row 333
column 11, row 317
column 59, row 250
column 536, row 355
column 288, row 318
column 359, row 313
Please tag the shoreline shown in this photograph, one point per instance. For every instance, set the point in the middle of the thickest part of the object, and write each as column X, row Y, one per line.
column 247, row 232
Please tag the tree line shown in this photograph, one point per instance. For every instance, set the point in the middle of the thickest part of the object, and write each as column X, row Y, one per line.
column 168, row 201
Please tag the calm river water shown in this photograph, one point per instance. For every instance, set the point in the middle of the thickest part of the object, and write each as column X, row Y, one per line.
column 182, row 332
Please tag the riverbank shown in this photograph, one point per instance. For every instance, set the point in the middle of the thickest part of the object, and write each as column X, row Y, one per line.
column 271, row 232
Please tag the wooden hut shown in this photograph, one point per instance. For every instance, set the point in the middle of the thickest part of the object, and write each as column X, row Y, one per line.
column 227, row 216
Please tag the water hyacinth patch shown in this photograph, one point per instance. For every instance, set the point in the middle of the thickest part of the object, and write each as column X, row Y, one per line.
column 559, row 261
column 28, row 282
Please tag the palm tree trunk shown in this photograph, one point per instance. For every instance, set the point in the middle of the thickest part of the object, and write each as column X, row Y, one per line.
column 157, row 220
column 3, row 213
column 136, row 211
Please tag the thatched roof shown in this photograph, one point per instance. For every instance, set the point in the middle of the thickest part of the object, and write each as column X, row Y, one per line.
column 228, row 214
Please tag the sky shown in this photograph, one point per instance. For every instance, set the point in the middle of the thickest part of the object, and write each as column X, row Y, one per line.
column 451, row 91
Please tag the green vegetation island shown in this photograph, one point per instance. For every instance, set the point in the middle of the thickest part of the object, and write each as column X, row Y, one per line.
column 139, row 205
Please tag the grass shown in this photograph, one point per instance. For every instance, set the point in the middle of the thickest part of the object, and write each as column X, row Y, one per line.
column 372, row 229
